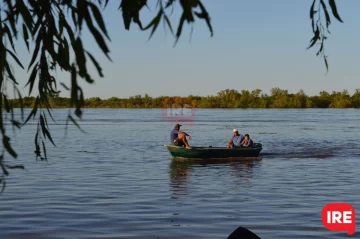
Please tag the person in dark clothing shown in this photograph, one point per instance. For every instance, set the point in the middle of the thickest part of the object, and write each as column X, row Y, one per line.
column 247, row 142
column 178, row 137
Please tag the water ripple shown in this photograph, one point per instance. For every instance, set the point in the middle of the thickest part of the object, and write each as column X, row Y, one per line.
column 117, row 180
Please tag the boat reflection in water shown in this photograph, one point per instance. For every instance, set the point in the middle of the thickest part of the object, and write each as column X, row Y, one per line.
column 196, row 180
column 179, row 177
column 181, row 170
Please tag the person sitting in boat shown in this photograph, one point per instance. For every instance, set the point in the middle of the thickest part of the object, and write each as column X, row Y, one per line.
column 178, row 137
column 247, row 142
column 235, row 141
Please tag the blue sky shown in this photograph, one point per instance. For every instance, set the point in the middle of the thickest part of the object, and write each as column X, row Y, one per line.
column 256, row 44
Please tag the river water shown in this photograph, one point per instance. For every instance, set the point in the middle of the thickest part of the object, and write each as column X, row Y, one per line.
column 118, row 181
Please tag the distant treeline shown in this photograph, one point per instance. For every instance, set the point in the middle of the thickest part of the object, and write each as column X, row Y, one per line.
column 278, row 98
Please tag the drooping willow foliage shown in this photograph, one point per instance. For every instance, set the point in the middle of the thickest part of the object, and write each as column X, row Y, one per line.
column 318, row 13
column 51, row 31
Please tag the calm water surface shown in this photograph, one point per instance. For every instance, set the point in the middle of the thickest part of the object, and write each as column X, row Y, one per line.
column 118, row 181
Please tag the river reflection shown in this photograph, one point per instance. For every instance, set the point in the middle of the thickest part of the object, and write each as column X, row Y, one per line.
column 244, row 168
column 179, row 177
column 181, row 171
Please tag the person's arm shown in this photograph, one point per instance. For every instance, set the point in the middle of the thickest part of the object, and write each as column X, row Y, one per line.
column 182, row 132
column 246, row 143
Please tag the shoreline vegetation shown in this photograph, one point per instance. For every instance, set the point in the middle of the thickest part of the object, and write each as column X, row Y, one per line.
column 229, row 98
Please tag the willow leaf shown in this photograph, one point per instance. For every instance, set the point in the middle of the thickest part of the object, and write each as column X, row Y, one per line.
column 334, row 10
column 15, row 58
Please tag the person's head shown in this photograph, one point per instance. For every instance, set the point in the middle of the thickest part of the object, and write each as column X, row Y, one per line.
column 177, row 126
column 236, row 132
column 247, row 136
